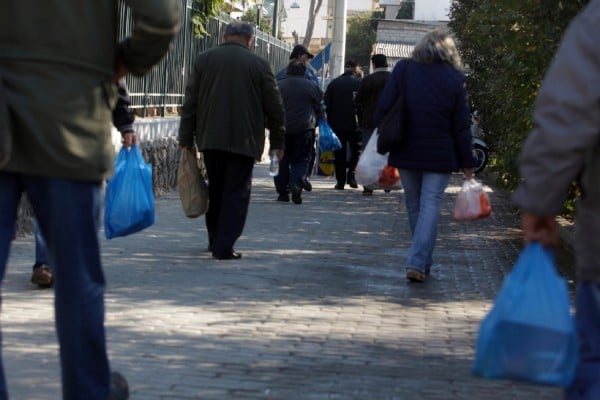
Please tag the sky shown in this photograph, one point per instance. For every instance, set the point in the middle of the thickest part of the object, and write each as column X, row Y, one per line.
column 296, row 20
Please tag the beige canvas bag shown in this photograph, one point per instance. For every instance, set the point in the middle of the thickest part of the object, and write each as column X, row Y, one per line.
column 193, row 189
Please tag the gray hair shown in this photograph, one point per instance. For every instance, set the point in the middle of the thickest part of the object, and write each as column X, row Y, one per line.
column 239, row 28
column 437, row 46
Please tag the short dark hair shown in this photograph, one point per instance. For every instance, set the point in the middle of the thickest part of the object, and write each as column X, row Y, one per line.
column 239, row 28
column 349, row 64
column 379, row 61
column 296, row 68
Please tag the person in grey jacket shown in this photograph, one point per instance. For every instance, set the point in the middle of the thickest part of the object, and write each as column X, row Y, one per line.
column 563, row 147
column 59, row 62
column 230, row 96
column 302, row 99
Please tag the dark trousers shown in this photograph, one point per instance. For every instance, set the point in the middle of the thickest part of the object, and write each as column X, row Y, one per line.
column 292, row 167
column 229, row 183
column 344, row 168
column 312, row 155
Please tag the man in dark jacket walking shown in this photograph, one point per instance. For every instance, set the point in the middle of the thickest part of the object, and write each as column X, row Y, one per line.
column 341, row 115
column 230, row 95
column 367, row 98
column 302, row 99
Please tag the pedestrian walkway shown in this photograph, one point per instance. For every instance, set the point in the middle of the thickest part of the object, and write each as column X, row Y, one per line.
column 318, row 307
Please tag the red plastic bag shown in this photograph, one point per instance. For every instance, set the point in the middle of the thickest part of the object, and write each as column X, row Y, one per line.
column 472, row 202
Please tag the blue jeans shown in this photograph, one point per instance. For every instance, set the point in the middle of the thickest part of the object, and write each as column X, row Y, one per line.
column 41, row 254
column 423, row 193
column 586, row 385
column 68, row 213
column 293, row 166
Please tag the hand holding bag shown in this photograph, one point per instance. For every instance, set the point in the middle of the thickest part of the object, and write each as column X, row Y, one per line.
column 391, row 126
column 193, row 190
column 129, row 203
column 529, row 334
column 471, row 202
column 328, row 140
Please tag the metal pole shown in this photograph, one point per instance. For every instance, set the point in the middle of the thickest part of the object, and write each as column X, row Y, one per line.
column 275, row 27
column 338, row 45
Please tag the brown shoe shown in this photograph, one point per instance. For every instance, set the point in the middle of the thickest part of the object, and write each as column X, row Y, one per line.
column 414, row 275
column 42, row 276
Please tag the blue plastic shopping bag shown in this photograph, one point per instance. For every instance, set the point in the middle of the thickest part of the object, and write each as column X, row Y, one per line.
column 328, row 140
column 129, row 203
column 529, row 334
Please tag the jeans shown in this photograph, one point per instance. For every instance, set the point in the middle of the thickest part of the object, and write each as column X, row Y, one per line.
column 41, row 253
column 294, row 164
column 423, row 193
column 586, row 385
column 68, row 213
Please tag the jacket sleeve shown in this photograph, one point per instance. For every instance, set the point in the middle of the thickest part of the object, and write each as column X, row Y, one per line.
column 390, row 93
column 566, row 118
column 274, row 110
column 187, row 123
column 461, row 126
column 123, row 116
column 156, row 22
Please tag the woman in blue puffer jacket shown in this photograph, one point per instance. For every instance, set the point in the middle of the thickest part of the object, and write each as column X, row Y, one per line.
column 436, row 138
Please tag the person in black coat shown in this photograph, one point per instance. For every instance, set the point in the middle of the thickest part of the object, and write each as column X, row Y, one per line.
column 341, row 116
column 367, row 98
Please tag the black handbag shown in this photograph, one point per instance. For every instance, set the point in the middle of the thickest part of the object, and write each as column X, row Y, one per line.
column 391, row 126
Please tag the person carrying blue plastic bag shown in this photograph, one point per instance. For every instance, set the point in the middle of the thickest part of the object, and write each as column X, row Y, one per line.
column 129, row 204
column 564, row 147
column 529, row 334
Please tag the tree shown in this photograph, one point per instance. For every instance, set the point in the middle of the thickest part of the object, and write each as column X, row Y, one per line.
column 507, row 47
column 202, row 11
column 360, row 39
column 250, row 16
column 313, row 10
column 406, row 10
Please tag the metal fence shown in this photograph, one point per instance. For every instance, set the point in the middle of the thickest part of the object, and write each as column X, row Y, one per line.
column 161, row 91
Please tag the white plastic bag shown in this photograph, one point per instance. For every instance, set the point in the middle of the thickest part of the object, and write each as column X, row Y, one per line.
column 472, row 202
column 371, row 163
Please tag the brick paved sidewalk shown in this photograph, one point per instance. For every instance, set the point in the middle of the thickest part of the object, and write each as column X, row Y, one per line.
column 317, row 308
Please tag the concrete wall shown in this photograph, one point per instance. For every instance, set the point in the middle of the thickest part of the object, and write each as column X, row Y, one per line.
column 157, row 138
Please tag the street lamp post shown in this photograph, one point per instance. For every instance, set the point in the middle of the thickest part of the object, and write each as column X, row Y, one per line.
column 259, row 4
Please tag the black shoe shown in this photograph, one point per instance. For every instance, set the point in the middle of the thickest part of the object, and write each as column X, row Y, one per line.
column 283, row 197
column 232, row 255
column 367, row 192
column 119, row 389
column 42, row 276
column 296, row 194
column 306, row 185
column 339, row 186
column 352, row 182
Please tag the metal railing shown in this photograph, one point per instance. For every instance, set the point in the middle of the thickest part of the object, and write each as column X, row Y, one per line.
column 161, row 91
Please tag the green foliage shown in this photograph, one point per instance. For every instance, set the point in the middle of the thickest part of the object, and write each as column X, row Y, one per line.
column 406, row 10
column 202, row 11
column 250, row 16
column 360, row 38
column 507, row 46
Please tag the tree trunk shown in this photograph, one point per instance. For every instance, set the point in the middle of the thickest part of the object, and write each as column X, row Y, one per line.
column 313, row 10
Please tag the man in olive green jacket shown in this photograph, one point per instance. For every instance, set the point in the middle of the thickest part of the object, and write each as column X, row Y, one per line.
column 231, row 95
column 59, row 61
